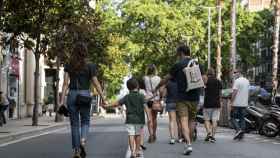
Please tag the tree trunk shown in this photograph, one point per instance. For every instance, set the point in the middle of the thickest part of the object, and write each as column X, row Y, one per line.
column 58, row 118
column 36, row 83
column 1, row 8
column 233, row 38
column 275, row 46
column 219, row 45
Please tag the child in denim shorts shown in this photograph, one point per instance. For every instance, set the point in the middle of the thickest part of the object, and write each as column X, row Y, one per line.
column 135, row 116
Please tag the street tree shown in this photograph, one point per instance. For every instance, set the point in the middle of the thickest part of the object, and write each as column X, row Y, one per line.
column 219, row 40
column 275, row 47
column 155, row 29
column 33, row 22
column 233, row 36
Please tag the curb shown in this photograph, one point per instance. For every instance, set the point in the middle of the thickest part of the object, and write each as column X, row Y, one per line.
column 31, row 132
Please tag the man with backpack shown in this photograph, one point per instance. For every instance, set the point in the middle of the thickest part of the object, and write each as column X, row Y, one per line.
column 188, row 76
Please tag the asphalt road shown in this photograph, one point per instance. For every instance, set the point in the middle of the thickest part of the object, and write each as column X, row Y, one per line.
column 253, row 146
column 108, row 139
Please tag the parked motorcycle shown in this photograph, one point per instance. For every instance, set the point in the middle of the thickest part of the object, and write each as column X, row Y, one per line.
column 255, row 117
column 271, row 125
column 257, row 112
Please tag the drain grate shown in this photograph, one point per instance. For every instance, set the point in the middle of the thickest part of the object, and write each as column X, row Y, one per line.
column 4, row 132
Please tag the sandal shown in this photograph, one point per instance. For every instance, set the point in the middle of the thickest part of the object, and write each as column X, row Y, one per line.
column 143, row 147
column 150, row 140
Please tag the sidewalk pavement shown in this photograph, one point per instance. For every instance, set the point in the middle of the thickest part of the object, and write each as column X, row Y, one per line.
column 17, row 129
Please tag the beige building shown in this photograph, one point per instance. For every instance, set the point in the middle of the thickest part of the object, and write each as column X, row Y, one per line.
column 17, row 80
column 256, row 5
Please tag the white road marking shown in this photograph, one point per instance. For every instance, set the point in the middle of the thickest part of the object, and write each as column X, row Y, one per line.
column 31, row 137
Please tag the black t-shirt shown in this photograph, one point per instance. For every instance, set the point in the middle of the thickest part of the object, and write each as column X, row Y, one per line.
column 180, row 77
column 212, row 93
column 82, row 79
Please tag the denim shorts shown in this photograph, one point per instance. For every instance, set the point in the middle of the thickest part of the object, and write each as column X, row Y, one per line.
column 170, row 107
column 134, row 129
column 211, row 114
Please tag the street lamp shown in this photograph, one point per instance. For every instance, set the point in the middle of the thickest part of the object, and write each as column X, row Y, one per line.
column 92, row 4
column 209, row 33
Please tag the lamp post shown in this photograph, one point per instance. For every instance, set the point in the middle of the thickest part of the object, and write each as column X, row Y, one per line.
column 209, row 33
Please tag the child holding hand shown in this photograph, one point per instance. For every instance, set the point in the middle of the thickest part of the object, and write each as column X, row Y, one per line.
column 135, row 115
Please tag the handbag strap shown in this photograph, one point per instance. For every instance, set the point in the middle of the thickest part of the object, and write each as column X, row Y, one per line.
column 150, row 80
column 77, row 82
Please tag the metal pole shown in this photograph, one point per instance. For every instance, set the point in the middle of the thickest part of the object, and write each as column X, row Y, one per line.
column 209, row 37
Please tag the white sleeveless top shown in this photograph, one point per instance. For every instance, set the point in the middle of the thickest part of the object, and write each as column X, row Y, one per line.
column 151, row 82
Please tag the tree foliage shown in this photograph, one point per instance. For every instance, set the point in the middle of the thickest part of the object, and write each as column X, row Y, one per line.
column 124, row 37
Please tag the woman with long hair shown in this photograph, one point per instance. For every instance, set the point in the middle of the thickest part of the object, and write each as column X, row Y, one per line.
column 77, row 78
column 151, row 80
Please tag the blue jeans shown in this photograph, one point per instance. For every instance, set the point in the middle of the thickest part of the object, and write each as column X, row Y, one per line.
column 79, row 118
column 238, row 118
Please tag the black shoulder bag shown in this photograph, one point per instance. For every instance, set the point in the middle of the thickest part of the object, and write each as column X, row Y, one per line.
column 82, row 100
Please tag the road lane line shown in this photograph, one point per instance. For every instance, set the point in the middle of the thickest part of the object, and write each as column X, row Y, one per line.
column 31, row 137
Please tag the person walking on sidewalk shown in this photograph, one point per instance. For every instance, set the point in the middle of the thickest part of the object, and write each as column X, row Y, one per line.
column 187, row 101
column 171, row 97
column 135, row 115
column 4, row 104
column 239, row 102
column 78, row 77
column 212, row 104
column 151, row 81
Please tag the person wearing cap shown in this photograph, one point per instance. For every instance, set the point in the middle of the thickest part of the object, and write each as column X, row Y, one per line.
column 239, row 102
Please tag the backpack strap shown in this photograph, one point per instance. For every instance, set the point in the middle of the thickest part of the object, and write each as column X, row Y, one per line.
column 192, row 62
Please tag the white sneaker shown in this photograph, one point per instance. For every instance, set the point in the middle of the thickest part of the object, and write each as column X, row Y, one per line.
column 180, row 140
column 188, row 149
column 172, row 141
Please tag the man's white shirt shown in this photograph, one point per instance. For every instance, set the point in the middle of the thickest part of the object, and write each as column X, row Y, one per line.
column 242, row 86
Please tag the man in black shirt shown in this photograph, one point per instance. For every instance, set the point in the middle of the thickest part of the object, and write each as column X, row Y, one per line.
column 212, row 104
column 186, row 106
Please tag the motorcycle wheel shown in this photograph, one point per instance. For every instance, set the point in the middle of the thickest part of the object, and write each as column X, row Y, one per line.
column 270, row 128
